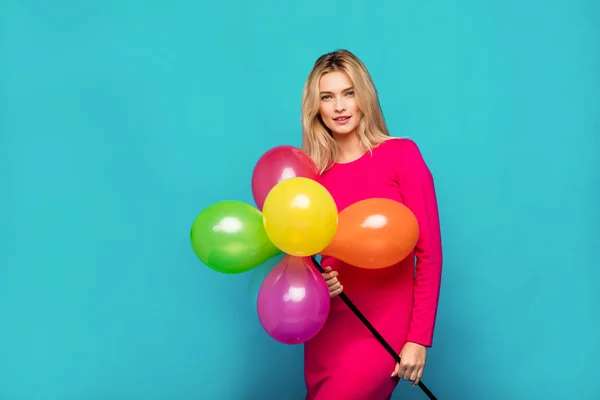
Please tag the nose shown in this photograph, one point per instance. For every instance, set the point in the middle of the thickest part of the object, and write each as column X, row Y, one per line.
column 339, row 105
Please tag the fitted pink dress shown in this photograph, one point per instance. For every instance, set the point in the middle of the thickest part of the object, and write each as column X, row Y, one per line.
column 344, row 361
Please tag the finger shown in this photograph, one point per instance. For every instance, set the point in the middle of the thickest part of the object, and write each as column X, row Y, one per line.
column 337, row 292
column 332, row 282
column 399, row 372
column 414, row 375
column 395, row 373
column 330, row 275
column 408, row 372
column 335, row 287
column 419, row 376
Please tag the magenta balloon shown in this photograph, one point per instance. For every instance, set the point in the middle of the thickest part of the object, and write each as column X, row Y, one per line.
column 293, row 301
column 277, row 164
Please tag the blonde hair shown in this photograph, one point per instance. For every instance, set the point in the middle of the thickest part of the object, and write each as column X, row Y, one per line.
column 317, row 140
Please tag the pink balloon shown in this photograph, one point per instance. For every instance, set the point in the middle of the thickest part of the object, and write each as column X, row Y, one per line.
column 293, row 301
column 277, row 164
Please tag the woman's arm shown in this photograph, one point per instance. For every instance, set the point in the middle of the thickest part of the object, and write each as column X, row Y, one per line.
column 418, row 192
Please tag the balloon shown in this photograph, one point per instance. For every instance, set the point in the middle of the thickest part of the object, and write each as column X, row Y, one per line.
column 229, row 237
column 300, row 216
column 293, row 302
column 374, row 233
column 258, row 276
column 277, row 164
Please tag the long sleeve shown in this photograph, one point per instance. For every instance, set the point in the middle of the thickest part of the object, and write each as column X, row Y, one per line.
column 418, row 192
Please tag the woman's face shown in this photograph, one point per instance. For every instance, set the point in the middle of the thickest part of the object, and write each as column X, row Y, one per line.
column 338, row 107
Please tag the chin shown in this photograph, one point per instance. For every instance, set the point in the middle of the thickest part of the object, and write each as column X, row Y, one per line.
column 344, row 132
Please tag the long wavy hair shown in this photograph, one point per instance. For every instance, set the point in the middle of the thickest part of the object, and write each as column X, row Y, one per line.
column 317, row 140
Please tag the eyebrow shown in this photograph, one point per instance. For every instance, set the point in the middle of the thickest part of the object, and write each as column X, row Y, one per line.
column 345, row 90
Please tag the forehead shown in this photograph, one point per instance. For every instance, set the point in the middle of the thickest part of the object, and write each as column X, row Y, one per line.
column 334, row 82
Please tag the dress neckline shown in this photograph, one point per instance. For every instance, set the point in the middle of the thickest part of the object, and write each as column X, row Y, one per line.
column 353, row 161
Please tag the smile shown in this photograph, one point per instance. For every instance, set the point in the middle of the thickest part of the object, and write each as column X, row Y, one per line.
column 341, row 120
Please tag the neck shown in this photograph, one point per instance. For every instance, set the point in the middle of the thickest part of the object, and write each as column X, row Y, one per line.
column 349, row 147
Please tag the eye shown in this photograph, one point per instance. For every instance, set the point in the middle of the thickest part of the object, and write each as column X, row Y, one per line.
column 350, row 93
column 326, row 97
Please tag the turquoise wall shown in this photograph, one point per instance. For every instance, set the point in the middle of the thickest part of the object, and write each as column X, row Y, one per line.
column 121, row 120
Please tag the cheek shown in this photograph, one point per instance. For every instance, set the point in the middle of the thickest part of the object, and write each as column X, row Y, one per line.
column 324, row 110
column 324, row 115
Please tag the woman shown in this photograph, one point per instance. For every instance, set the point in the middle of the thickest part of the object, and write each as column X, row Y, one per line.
column 345, row 133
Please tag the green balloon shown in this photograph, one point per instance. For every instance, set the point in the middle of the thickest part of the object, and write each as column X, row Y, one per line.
column 229, row 237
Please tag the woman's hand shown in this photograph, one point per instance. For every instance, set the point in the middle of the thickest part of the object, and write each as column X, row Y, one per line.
column 335, row 287
column 412, row 362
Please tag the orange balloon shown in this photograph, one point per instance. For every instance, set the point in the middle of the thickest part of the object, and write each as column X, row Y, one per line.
column 374, row 233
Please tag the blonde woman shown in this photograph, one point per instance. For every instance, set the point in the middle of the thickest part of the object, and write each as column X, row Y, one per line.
column 345, row 133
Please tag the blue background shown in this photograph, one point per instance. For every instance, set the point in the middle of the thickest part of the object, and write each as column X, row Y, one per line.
column 121, row 120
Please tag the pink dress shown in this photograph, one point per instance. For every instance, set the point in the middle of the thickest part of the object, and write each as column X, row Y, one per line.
column 344, row 361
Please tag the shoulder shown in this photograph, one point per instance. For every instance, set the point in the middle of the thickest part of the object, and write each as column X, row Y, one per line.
column 401, row 148
column 404, row 155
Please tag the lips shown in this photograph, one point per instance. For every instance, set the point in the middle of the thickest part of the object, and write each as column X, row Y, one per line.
column 341, row 120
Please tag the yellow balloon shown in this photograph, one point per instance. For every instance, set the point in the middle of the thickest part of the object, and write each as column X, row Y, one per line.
column 300, row 216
